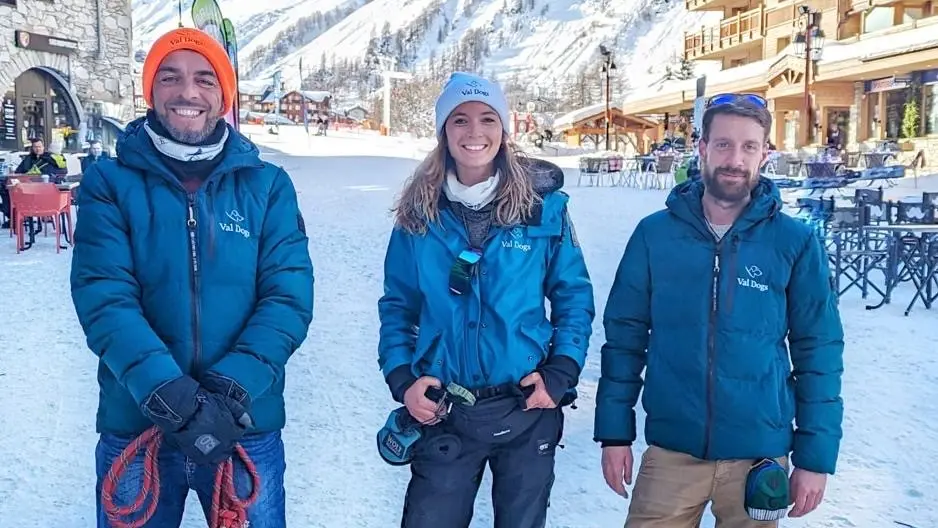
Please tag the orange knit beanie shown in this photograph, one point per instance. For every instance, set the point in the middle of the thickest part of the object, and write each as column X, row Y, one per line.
column 201, row 43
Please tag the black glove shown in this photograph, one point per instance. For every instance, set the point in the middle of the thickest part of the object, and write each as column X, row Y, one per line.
column 226, row 387
column 199, row 423
column 560, row 374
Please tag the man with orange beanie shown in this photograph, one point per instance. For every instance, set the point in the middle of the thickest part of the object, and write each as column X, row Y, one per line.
column 192, row 280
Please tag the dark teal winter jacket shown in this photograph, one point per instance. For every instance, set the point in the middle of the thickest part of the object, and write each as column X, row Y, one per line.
column 165, row 282
column 708, row 323
column 499, row 331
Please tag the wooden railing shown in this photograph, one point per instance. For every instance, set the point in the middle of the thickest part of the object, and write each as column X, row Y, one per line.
column 690, row 5
column 731, row 32
column 786, row 13
column 715, row 5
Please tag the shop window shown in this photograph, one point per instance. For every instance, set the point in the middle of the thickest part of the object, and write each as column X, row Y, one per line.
column 878, row 18
column 791, row 130
column 41, row 109
column 876, row 126
column 930, row 109
column 895, row 110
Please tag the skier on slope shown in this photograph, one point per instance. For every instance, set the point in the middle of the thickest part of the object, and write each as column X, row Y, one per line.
column 193, row 282
column 482, row 236
column 706, row 295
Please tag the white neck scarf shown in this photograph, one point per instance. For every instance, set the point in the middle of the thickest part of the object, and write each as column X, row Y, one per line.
column 183, row 152
column 475, row 197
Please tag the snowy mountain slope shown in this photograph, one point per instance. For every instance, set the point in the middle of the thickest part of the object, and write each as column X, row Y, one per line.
column 539, row 42
column 256, row 22
column 350, row 37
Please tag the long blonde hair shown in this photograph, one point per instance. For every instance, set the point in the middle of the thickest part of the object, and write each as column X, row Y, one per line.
column 418, row 204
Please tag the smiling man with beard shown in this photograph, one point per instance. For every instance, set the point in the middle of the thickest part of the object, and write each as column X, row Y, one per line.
column 193, row 283
column 707, row 293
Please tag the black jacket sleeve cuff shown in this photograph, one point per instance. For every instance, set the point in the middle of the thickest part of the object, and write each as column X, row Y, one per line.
column 560, row 374
column 399, row 380
column 613, row 443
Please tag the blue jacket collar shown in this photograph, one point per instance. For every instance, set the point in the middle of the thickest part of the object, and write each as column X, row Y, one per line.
column 135, row 149
column 684, row 202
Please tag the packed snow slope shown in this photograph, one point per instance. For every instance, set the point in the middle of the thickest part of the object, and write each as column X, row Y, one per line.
column 539, row 41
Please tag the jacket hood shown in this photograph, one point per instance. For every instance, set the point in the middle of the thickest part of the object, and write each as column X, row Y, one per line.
column 546, row 176
column 684, row 202
column 135, row 149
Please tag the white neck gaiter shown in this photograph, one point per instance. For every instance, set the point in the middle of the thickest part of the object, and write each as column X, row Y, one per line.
column 183, row 152
column 475, row 197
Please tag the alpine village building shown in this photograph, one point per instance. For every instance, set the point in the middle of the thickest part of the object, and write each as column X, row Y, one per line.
column 877, row 67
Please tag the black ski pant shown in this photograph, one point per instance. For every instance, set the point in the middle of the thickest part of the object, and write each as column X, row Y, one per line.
column 449, row 464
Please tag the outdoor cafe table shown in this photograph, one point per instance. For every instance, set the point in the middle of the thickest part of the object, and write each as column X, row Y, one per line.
column 924, row 249
column 63, row 187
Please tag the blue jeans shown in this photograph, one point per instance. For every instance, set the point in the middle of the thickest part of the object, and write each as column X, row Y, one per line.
column 178, row 476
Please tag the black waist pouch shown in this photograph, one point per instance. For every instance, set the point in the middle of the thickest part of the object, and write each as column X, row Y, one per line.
column 496, row 420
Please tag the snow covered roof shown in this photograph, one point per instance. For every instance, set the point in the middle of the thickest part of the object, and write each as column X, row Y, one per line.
column 582, row 113
column 252, row 87
column 316, row 96
column 890, row 43
column 867, row 48
column 571, row 118
column 714, row 80
column 347, row 107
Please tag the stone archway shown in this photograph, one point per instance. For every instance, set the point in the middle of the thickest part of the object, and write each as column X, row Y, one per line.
column 51, row 64
column 37, row 80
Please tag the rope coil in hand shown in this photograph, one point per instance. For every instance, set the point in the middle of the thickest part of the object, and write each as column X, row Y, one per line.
column 228, row 510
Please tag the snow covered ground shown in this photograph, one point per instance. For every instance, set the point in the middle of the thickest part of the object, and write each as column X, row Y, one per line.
column 337, row 400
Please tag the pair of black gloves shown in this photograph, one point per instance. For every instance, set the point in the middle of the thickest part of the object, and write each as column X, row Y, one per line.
column 203, row 420
column 560, row 374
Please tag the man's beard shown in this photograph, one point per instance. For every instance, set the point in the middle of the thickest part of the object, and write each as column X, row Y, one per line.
column 189, row 137
column 728, row 192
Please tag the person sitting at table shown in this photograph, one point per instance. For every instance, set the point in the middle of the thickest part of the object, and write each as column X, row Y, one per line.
column 37, row 162
column 95, row 154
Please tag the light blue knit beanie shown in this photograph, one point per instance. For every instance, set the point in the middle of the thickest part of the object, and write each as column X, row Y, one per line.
column 464, row 87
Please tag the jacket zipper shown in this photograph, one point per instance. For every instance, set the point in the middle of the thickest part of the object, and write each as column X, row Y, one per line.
column 476, row 281
column 196, row 284
column 711, row 347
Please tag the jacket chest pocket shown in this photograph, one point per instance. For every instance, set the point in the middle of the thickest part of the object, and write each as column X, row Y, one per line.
column 230, row 248
column 754, row 287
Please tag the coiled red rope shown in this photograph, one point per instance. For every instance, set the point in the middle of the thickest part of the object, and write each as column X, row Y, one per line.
column 228, row 510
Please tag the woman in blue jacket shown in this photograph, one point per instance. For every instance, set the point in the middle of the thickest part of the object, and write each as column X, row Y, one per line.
column 482, row 236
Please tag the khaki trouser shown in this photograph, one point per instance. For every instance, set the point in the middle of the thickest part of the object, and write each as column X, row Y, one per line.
column 672, row 490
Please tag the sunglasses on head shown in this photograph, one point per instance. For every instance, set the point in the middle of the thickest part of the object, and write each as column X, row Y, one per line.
column 729, row 98
column 460, row 274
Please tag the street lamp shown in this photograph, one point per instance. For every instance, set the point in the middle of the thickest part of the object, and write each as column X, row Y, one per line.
column 608, row 66
column 809, row 45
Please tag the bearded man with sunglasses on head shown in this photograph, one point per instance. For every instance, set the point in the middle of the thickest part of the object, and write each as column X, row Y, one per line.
column 707, row 293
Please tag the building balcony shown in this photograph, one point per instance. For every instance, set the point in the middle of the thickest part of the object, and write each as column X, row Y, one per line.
column 733, row 35
column 715, row 5
column 863, row 5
